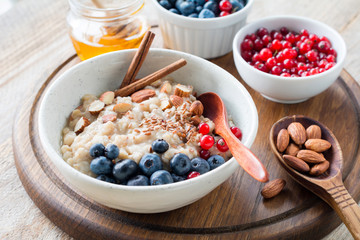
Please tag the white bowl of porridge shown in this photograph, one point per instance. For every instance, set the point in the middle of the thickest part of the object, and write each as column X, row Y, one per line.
column 133, row 126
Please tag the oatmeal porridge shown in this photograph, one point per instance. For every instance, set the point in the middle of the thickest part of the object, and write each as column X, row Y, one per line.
column 163, row 110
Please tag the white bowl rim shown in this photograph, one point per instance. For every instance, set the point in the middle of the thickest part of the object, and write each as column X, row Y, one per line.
column 234, row 17
column 339, row 62
column 51, row 152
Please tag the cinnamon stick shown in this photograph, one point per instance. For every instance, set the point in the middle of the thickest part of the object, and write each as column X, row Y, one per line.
column 141, row 83
column 138, row 59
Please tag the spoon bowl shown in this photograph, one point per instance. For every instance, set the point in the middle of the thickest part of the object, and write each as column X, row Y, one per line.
column 328, row 186
column 215, row 110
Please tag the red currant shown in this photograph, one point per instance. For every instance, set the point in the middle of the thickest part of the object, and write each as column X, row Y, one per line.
column 225, row 5
column 323, row 46
column 262, row 32
column 276, row 45
column 223, row 14
column 301, row 66
column 246, row 55
column 288, row 63
column 284, row 30
column 313, row 37
column 205, row 154
column 261, row 66
column 221, row 145
column 286, row 44
column 276, row 70
column 258, row 44
column 278, row 36
column 304, row 48
column 206, row 142
column 265, row 53
column 247, row 45
column 311, row 55
column 285, row 74
column 329, row 65
column 193, row 174
column 331, row 58
column 322, row 63
column 204, row 128
column 314, row 71
column 266, row 39
column 270, row 63
column 290, row 38
column 237, row 132
column 304, row 32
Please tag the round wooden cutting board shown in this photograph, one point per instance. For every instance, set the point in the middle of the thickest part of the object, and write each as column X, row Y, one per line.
column 234, row 210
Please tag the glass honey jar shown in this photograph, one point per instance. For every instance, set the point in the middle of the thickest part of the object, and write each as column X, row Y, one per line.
column 100, row 26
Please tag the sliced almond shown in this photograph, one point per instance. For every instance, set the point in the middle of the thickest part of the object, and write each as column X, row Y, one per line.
column 282, row 140
column 165, row 104
column 292, row 149
column 296, row 163
column 107, row 97
column 310, row 156
column 81, row 124
column 320, row 168
column 96, row 106
column 122, row 107
column 195, row 120
column 317, row 145
column 297, row 132
column 176, row 100
column 197, row 108
column 273, row 188
column 109, row 118
column 313, row 132
column 142, row 95
column 166, row 88
column 182, row 91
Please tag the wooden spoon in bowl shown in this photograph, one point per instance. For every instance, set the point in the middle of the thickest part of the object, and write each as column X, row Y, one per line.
column 214, row 109
column 328, row 186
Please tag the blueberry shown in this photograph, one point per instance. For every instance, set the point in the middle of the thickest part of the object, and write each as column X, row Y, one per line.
column 206, row 13
column 138, row 180
column 101, row 165
column 198, row 9
column 161, row 177
column 172, row 2
column 215, row 161
column 194, row 15
column 105, row 178
column 165, row 4
column 212, row 6
column 197, row 2
column 186, row 8
column 124, row 170
column 111, row 151
column 97, row 150
column 150, row 163
column 160, row 146
column 200, row 165
column 174, row 10
column 180, row 164
column 237, row 5
column 177, row 4
column 177, row 178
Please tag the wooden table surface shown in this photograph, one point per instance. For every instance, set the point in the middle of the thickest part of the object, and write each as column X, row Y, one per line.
column 34, row 40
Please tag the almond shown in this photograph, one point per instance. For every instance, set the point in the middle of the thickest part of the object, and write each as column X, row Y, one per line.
column 122, row 107
column 197, row 108
column 165, row 104
column 109, row 118
column 96, row 106
column 297, row 132
column 320, row 168
column 282, row 140
column 313, row 132
column 81, row 124
column 107, row 97
column 195, row 120
column 176, row 100
column 166, row 88
column 292, row 149
column 296, row 163
column 310, row 156
column 273, row 188
column 142, row 95
column 182, row 91
column 317, row 145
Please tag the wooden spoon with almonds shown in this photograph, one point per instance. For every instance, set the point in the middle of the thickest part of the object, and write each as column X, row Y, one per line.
column 329, row 185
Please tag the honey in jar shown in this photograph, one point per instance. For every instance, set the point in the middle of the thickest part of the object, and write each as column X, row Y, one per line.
column 100, row 26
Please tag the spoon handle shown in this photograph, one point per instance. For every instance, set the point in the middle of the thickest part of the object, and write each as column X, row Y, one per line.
column 345, row 206
column 247, row 160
